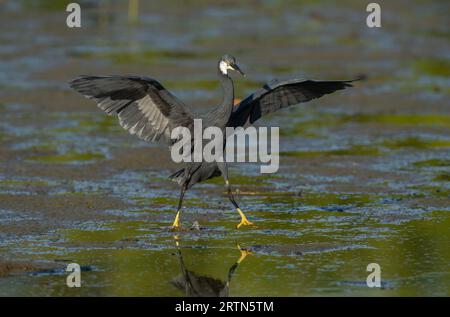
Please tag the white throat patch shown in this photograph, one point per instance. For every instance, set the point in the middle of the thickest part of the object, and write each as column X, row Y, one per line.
column 223, row 67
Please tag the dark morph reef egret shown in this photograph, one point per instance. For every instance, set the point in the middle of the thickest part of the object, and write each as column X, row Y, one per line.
column 145, row 108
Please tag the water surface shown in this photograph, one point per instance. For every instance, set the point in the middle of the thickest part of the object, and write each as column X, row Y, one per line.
column 364, row 174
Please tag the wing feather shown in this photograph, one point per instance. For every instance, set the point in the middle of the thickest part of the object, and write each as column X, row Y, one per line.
column 277, row 95
column 144, row 107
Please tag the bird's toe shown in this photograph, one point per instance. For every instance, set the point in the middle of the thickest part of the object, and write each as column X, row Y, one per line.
column 245, row 222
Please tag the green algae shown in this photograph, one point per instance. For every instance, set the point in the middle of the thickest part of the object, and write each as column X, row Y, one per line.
column 89, row 123
column 144, row 57
column 323, row 199
column 47, row 5
column 354, row 150
column 416, row 142
column 430, row 191
column 68, row 157
column 3, row 136
column 320, row 123
column 433, row 67
column 340, row 246
column 312, row 127
column 14, row 182
column 442, row 177
column 110, row 232
column 432, row 120
column 239, row 179
column 169, row 201
column 212, row 84
column 432, row 163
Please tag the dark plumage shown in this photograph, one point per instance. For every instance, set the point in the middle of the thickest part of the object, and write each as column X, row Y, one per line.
column 281, row 94
column 145, row 108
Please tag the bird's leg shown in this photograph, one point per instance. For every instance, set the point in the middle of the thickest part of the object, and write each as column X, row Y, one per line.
column 176, row 223
column 244, row 220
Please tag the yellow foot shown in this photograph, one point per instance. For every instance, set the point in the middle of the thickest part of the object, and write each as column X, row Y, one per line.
column 244, row 253
column 176, row 223
column 244, row 220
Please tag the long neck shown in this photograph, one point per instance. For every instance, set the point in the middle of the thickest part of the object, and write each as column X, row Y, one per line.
column 225, row 109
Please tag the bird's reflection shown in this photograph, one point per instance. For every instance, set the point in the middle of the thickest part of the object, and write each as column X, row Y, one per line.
column 197, row 285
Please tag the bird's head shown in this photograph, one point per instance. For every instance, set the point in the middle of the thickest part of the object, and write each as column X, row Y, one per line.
column 229, row 62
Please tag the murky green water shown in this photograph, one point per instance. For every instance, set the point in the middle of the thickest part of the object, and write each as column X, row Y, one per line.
column 364, row 174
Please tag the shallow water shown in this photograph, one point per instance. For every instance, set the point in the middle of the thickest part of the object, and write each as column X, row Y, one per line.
column 364, row 175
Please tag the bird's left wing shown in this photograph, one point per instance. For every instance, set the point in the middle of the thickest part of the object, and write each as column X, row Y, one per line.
column 276, row 95
column 144, row 107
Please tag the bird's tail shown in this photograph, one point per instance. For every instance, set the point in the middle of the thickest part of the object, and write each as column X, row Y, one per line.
column 178, row 176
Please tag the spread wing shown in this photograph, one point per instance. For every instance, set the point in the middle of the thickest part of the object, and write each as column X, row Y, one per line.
column 277, row 95
column 144, row 107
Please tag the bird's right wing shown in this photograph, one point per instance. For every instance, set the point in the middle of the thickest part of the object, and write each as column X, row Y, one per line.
column 144, row 107
column 277, row 95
